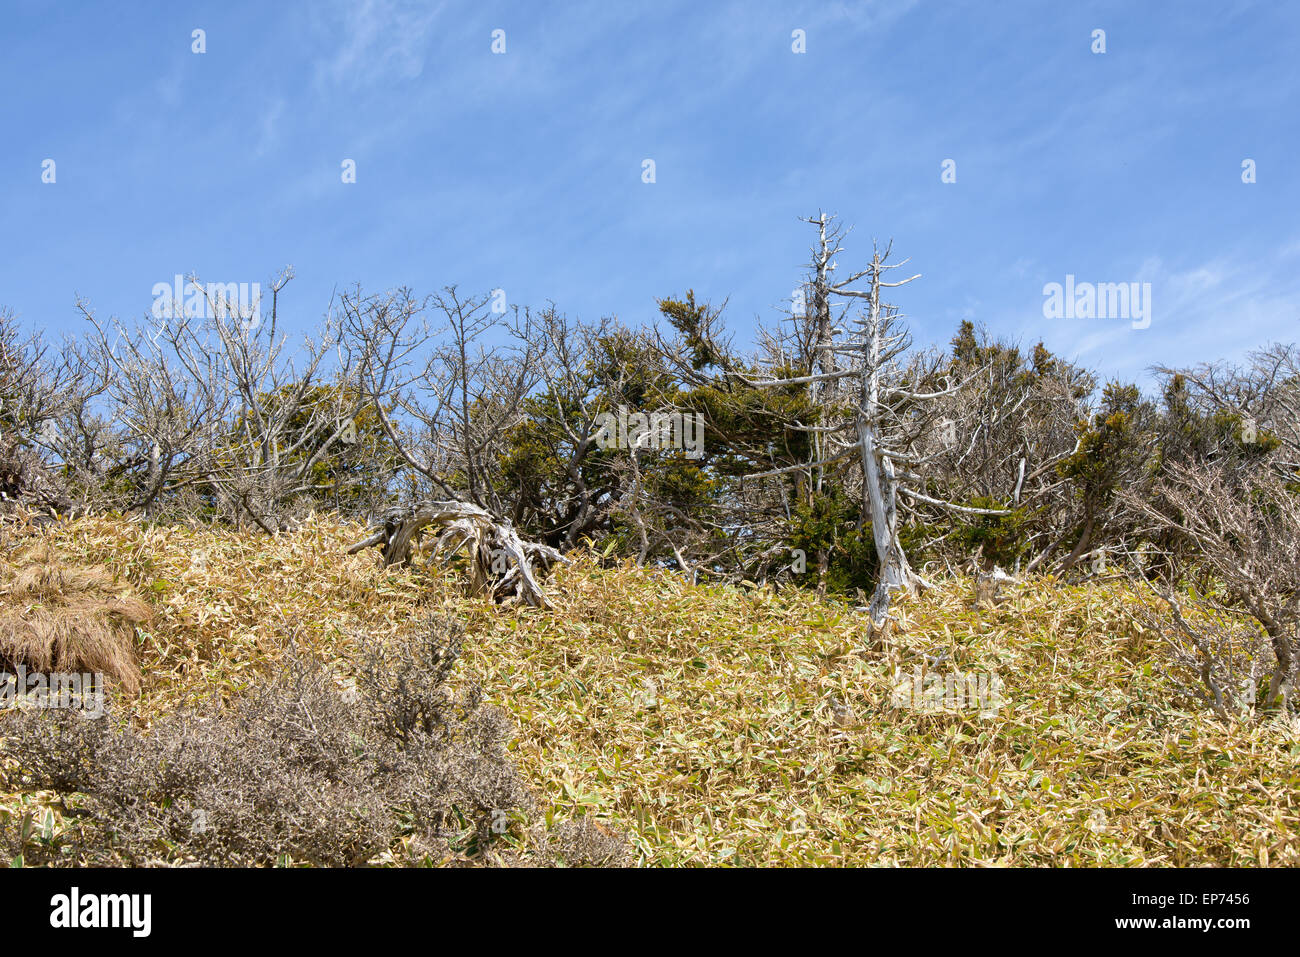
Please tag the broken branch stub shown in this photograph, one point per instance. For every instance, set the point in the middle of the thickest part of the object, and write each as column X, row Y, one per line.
column 502, row 563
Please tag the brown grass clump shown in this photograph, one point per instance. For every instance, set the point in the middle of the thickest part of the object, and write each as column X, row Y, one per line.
column 67, row 618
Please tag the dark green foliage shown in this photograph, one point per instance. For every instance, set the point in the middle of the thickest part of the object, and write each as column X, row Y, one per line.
column 1002, row 540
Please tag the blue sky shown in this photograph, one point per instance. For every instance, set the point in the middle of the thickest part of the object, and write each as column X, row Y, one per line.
column 523, row 170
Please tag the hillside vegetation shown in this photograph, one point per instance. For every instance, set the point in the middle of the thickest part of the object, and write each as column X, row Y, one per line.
column 729, row 724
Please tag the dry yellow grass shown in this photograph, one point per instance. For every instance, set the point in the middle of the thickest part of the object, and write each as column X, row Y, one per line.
column 56, row 617
column 733, row 726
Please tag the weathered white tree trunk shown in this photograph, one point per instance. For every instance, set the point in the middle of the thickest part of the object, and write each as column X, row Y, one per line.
column 880, row 484
column 881, row 488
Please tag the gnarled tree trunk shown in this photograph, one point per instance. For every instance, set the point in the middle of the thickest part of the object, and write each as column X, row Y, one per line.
column 503, row 564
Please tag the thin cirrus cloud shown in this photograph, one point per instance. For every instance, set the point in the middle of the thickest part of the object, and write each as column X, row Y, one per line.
column 374, row 41
column 1217, row 309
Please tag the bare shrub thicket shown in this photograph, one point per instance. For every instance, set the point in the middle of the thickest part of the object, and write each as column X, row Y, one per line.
column 1214, row 658
column 301, row 769
column 35, row 389
column 217, row 412
column 1243, row 533
column 447, row 375
column 220, row 411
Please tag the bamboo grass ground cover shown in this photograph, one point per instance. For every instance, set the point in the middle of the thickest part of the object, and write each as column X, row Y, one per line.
column 736, row 726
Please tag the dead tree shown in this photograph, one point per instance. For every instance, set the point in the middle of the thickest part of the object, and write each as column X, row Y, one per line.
column 893, row 414
column 501, row 563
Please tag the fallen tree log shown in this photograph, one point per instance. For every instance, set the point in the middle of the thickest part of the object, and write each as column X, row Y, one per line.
column 501, row 563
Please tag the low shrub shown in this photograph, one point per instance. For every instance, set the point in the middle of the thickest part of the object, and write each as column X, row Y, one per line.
column 304, row 769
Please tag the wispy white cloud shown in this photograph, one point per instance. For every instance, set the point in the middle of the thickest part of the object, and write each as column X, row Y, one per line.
column 268, row 126
column 1220, row 308
column 374, row 41
column 871, row 14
